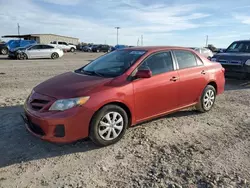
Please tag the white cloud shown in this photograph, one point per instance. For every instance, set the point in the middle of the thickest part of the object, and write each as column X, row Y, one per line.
column 242, row 18
column 156, row 22
column 63, row 2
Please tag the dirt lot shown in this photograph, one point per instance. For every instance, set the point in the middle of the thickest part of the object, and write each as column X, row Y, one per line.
column 185, row 149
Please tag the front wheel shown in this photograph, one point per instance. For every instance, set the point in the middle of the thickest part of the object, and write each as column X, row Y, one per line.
column 72, row 50
column 108, row 125
column 207, row 99
column 22, row 56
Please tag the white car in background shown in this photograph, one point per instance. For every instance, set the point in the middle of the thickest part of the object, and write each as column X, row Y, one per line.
column 64, row 46
column 205, row 52
column 36, row 51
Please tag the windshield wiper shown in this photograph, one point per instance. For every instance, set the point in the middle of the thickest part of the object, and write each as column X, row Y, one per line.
column 92, row 73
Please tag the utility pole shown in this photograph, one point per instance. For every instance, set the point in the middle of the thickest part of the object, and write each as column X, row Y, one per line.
column 141, row 40
column 206, row 40
column 18, row 29
column 138, row 41
column 117, row 28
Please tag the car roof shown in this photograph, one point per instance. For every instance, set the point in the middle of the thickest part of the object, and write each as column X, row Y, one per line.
column 159, row 48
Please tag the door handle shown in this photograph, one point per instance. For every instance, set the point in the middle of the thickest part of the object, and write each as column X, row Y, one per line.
column 203, row 72
column 174, row 79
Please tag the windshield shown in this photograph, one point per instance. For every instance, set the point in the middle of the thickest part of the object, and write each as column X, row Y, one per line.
column 239, row 47
column 113, row 64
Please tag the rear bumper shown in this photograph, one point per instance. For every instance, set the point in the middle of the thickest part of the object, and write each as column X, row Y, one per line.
column 61, row 127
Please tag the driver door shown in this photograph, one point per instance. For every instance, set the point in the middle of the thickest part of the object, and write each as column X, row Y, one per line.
column 35, row 51
column 160, row 93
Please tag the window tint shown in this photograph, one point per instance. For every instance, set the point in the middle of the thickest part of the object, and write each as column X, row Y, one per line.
column 185, row 59
column 60, row 43
column 36, row 47
column 64, row 43
column 158, row 63
column 47, row 47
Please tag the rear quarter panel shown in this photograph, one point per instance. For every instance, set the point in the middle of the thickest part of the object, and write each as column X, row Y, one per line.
column 216, row 74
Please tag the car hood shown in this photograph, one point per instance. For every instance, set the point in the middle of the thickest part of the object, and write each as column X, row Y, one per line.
column 233, row 56
column 70, row 85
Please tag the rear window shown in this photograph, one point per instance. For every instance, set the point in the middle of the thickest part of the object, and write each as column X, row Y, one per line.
column 185, row 59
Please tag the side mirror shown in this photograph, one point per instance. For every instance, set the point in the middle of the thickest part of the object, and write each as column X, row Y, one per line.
column 221, row 51
column 143, row 74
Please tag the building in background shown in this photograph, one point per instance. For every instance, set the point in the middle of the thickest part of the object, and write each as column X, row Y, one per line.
column 45, row 38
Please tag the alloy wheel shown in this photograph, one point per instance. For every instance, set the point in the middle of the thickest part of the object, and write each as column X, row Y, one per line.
column 111, row 126
column 208, row 100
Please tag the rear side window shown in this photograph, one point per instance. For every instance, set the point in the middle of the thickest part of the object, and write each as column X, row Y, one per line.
column 36, row 47
column 185, row 59
column 158, row 63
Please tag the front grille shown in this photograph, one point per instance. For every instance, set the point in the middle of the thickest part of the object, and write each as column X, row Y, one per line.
column 38, row 104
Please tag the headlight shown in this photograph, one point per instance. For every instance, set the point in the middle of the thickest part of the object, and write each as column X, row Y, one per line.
column 248, row 62
column 64, row 104
column 213, row 59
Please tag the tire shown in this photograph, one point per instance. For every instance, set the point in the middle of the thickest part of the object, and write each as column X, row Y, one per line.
column 209, row 95
column 54, row 55
column 97, row 129
column 4, row 51
column 22, row 56
column 72, row 50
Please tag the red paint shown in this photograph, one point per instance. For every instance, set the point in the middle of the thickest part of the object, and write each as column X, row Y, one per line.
column 146, row 98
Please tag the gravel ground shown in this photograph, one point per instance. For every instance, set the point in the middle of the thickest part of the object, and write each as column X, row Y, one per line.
column 185, row 149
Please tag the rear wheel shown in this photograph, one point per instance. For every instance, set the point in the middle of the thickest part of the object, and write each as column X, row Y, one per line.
column 22, row 56
column 72, row 50
column 108, row 125
column 4, row 51
column 207, row 99
column 54, row 55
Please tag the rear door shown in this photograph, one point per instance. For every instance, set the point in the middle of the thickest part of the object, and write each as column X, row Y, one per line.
column 158, row 94
column 193, row 76
column 47, row 51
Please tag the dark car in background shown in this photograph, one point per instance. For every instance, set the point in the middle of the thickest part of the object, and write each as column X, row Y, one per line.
column 235, row 59
column 101, row 48
column 3, row 49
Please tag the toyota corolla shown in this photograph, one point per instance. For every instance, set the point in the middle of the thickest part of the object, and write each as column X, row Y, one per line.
column 119, row 90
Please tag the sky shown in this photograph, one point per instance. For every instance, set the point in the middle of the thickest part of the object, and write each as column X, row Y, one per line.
column 161, row 22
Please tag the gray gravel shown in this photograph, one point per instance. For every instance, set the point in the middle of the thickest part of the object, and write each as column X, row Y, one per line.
column 185, row 149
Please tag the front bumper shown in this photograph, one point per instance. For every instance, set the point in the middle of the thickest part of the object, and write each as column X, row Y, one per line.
column 61, row 127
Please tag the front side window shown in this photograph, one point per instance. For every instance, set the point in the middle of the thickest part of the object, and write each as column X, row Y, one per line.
column 185, row 59
column 36, row 47
column 112, row 64
column 47, row 47
column 158, row 63
column 60, row 43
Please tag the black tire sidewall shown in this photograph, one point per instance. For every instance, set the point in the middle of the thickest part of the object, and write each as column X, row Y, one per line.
column 94, row 125
column 209, row 87
column 54, row 55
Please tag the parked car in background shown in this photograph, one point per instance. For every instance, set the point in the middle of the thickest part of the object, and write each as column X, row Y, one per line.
column 64, row 46
column 121, row 89
column 87, row 48
column 101, row 48
column 205, row 52
column 12, row 44
column 36, row 51
column 235, row 59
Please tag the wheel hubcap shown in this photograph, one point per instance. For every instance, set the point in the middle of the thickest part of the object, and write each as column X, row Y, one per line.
column 111, row 126
column 209, row 99
column 4, row 51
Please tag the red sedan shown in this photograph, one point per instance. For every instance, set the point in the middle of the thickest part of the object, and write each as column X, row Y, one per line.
column 121, row 89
